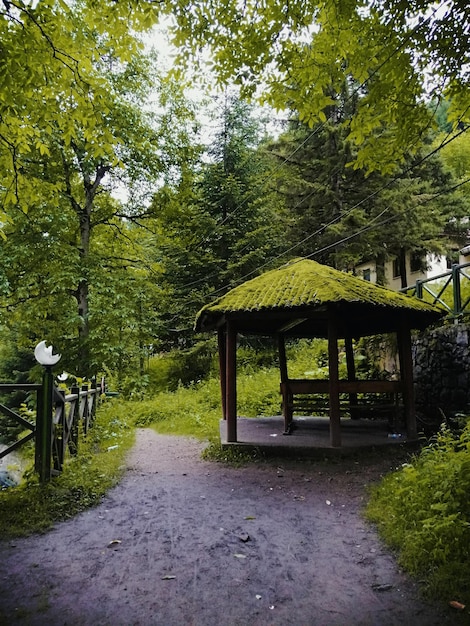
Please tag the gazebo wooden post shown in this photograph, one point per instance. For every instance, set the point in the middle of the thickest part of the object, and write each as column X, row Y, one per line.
column 406, row 371
column 335, row 424
column 286, row 396
column 223, row 369
column 231, row 383
column 351, row 367
column 281, row 342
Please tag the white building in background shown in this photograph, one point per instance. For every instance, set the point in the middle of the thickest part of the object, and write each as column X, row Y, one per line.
column 434, row 266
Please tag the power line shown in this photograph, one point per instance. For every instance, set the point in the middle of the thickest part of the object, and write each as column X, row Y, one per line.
column 309, row 136
column 369, row 227
column 444, row 143
column 350, row 97
column 373, row 226
column 323, row 124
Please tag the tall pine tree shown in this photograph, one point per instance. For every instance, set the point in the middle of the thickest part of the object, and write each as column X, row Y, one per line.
column 221, row 223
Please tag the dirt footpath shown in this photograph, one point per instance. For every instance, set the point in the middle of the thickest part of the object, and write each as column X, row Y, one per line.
column 181, row 541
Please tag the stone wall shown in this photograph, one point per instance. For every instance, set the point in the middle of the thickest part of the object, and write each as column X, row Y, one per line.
column 442, row 371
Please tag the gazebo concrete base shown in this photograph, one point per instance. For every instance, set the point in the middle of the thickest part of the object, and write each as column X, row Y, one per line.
column 311, row 436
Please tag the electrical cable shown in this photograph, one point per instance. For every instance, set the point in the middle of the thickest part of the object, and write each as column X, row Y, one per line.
column 323, row 124
column 369, row 227
column 341, row 216
column 444, row 143
column 354, row 92
column 391, row 218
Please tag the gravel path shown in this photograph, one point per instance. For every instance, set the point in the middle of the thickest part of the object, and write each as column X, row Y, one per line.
column 182, row 541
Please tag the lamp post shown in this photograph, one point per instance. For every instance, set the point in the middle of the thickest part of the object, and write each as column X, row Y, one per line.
column 43, row 452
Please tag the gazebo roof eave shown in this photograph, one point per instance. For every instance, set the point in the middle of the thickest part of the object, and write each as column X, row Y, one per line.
column 354, row 319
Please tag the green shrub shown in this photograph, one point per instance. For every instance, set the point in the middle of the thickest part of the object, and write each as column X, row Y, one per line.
column 259, row 393
column 166, row 372
column 308, row 358
column 254, row 353
column 423, row 511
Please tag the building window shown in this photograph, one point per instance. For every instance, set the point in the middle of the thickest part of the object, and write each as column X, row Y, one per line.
column 416, row 262
column 396, row 268
column 366, row 274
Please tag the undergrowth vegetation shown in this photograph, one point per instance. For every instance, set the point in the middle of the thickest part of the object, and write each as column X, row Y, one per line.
column 171, row 404
column 423, row 511
column 32, row 507
column 195, row 409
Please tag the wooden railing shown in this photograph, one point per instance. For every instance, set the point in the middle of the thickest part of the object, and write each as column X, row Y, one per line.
column 69, row 411
column 57, row 424
column 16, row 417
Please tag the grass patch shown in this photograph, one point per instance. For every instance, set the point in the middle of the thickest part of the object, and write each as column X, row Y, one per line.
column 196, row 410
column 231, row 456
column 32, row 507
column 423, row 512
column 192, row 411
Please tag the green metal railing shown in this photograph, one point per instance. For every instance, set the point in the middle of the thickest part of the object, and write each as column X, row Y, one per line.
column 449, row 290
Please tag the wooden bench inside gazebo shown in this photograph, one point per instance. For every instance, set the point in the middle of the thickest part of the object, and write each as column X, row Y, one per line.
column 310, row 397
column 304, row 299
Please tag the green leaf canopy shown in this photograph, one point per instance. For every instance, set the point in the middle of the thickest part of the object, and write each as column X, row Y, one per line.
column 299, row 298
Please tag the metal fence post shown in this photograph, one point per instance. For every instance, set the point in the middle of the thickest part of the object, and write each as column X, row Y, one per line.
column 456, row 288
column 85, row 408
column 43, row 454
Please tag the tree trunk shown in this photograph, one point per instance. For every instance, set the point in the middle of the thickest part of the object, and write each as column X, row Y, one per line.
column 84, row 213
column 402, row 261
column 83, row 354
column 380, row 268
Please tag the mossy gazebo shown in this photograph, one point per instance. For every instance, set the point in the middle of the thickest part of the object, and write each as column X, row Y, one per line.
column 305, row 299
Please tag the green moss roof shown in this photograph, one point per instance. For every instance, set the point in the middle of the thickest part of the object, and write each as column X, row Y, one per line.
column 304, row 283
